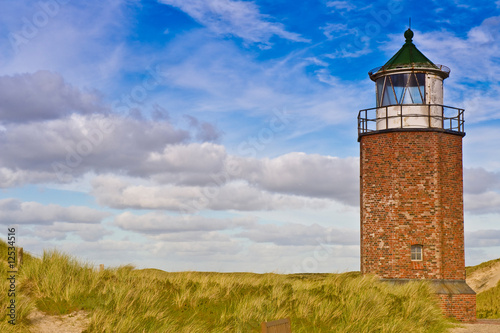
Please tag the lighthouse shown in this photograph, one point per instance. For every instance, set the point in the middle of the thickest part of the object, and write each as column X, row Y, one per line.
column 411, row 181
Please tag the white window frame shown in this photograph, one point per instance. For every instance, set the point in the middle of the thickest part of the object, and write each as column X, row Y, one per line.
column 417, row 252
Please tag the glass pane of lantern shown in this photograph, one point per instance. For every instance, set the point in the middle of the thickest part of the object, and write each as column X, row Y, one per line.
column 420, row 77
column 380, row 89
column 389, row 98
column 413, row 94
column 399, row 83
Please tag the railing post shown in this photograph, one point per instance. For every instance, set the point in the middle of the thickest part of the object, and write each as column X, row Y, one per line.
column 442, row 116
column 386, row 117
column 461, row 120
column 429, row 115
column 401, row 115
column 358, row 122
column 366, row 119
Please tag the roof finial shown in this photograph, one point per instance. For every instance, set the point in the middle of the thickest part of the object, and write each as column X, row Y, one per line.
column 408, row 33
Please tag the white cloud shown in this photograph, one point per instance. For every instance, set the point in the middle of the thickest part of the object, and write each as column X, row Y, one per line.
column 114, row 192
column 483, row 203
column 231, row 17
column 199, row 242
column 14, row 211
column 40, row 96
column 341, row 5
column 157, row 223
column 69, row 147
column 481, row 191
column 194, row 177
column 182, row 159
column 215, row 77
column 308, row 175
column 479, row 180
column 15, row 177
column 207, row 249
column 61, row 230
column 299, row 235
column 74, row 39
column 336, row 30
column 482, row 238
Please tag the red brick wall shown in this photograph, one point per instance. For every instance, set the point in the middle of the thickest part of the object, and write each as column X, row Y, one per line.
column 412, row 193
column 461, row 307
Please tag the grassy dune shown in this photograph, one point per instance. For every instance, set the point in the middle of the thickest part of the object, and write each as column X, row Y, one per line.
column 127, row 300
column 487, row 302
column 471, row 269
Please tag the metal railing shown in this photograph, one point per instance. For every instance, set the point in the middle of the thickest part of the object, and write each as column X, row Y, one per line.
column 412, row 66
column 440, row 117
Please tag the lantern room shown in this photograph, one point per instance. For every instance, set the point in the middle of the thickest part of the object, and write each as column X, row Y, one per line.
column 409, row 94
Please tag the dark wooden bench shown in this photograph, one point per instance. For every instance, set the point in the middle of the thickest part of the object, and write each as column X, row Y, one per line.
column 277, row 326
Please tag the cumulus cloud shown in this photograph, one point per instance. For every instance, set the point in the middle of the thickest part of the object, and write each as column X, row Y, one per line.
column 205, row 130
column 238, row 18
column 61, row 230
column 308, row 175
column 201, row 176
column 190, row 160
column 114, row 192
column 299, row 235
column 212, row 237
column 42, row 95
column 64, row 148
column 215, row 249
column 14, row 211
column 481, row 194
column 479, row 180
column 482, row 238
column 482, row 203
column 16, row 177
column 157, row 223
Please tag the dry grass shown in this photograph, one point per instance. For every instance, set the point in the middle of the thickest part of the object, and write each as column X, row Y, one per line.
column 127, row 300
column 488, row 303
column 471, row 269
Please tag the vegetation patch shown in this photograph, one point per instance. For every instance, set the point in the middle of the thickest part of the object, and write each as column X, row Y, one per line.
column 488, row 303
column 124, row 299
column 487, row 264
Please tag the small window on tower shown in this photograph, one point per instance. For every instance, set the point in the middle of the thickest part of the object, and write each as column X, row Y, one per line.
column 416, row 252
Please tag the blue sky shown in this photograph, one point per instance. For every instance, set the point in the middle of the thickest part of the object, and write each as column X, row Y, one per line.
column 221, row 135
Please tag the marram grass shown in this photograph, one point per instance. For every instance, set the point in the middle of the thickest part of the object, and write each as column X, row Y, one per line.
column 488, row 303
column 127, row 300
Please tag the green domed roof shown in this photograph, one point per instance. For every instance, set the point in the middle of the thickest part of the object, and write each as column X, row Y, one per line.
column 409, row 56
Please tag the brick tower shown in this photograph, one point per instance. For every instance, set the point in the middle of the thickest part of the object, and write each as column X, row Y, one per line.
column 412, row 224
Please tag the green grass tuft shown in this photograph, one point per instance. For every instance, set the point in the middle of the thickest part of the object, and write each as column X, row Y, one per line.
column 488, row 303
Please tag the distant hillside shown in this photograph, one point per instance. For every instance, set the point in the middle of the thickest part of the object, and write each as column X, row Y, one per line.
column 487, row 264
column 484, row 276
column 485, row 280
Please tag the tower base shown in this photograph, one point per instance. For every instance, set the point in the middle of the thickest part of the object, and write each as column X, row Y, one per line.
column 456, row 299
